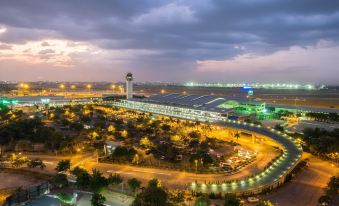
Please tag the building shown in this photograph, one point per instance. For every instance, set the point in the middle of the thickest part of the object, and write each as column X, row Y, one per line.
column 195, row 107
column 42, row 100
column 129, row 86
column 110, row 146
column 213, row 103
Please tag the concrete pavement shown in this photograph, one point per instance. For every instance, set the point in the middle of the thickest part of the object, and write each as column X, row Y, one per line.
column 306, row 187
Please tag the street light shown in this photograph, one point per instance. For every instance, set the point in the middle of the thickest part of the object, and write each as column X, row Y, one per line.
column 62, row 86
column 23, row 85
column 89, row 86
column 196, row 166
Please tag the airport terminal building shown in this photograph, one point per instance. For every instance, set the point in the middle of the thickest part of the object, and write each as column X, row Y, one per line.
column 193, row 106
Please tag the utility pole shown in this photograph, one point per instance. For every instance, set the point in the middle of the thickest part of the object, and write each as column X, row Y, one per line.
column 196, row 166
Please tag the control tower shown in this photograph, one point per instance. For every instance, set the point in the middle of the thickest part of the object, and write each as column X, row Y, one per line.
column 129, row 86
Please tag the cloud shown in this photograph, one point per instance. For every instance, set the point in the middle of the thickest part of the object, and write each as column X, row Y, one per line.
column 164, row 37
column 297, row 63
column 46, row 51
column 45, row 43
column 2, row 29
column 5, row 46
column 168, row 14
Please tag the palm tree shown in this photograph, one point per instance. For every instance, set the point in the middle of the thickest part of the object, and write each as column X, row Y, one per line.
column 237, row 135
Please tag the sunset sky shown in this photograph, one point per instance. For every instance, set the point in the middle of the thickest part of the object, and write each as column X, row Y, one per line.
column 176, row 41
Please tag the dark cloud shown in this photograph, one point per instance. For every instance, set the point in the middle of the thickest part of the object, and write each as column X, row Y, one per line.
column 5, row 47
column 178, row 32
column 45, row 43
column 47, row 51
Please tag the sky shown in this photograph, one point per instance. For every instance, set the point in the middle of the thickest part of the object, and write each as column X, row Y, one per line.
column 289, row 41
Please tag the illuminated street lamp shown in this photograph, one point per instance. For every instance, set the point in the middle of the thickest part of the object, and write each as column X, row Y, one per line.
column 162, row 91
column 196, row 166
column 73, row 87
column 89, row 87
column 62, row 86
column 25, row 86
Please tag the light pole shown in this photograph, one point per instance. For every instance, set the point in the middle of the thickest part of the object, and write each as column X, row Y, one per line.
column 73, row 87
column 62, row 87
column 196, row 166
column 113, row 87
column 89, row 86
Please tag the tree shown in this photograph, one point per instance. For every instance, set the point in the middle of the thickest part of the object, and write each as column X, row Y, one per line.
column 60, row 180
column 63, row 165
column 133, row 184
column 231, row 200
column 77, row 171
column 115, row 179
column 279, row 128
column 194, row 135
column 202, row 201
column 83, row 179
column 332, row 186
column 98, row 182
column 77, row 126
column 177, row 197
column 152, row 195
column 145, row 142
column 97, row 199
column 324, row 199
column 265, row 203
column 111, row 129
column 166, row 127
column 36, row 163
column 17, row 160
column 123, row 154
column 154, row 183
column 237, row 135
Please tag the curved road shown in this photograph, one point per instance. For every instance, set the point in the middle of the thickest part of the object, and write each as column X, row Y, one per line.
column 276, row 172
column 180, row 180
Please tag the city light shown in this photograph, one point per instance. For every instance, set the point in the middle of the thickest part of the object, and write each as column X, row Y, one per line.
column 169, row 103
column 255, row 85
column 62, row 86
column 24, row 86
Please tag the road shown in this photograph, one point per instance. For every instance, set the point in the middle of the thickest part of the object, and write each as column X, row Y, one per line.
column 304, row 190
column 180, row 180
column 170, row 178
column 306, row 187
